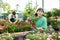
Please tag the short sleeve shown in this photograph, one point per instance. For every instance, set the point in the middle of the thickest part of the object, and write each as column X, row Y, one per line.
column 9, row 16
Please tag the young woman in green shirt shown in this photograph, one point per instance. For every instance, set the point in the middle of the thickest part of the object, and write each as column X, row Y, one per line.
column 41, row 22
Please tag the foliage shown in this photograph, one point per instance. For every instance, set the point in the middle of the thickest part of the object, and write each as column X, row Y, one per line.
column 52, row 17
column 48, row 14
column 43, row 36
column 23, row 26
column 5, row 16
column 33, row 19
column 56, row 25
column 33, row 36
column 5, row 6
column 1, row 2
column 25, row 17
column 48, row 31
column 56, row 12
column 29, row 10
column 6, row 36
column 57, row 36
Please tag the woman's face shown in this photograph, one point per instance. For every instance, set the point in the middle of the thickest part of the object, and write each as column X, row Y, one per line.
column 40, row 13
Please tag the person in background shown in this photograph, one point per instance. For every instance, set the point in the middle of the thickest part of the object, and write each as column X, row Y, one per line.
column 13, row 18
column 41, row 22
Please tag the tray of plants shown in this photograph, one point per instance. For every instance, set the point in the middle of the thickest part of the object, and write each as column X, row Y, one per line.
column 42, row 35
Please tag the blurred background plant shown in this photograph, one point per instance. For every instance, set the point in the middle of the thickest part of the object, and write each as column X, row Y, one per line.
column 6, row 36
column 53, row 18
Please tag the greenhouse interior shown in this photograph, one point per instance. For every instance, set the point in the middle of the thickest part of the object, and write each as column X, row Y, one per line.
column 29, row 19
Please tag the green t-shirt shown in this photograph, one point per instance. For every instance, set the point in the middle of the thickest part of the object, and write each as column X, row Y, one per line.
column 41, row 22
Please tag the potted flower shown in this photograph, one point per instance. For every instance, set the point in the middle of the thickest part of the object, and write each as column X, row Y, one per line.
column 33, row 21
column 6, row 36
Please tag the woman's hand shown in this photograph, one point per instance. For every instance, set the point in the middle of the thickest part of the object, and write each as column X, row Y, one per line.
column 39, row 29
column 14, row 23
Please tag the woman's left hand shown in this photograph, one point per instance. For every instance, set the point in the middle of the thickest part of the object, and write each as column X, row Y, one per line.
column 39, row 29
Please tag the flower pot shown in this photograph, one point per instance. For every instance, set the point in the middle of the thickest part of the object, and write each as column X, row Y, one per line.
column 33, row 25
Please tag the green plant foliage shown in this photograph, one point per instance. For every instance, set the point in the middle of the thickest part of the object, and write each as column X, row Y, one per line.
column 15, row 28
column 56, row 12
column 5, row 36
column 33, row 36
column 57, row 36
column 34, row 19
column 48, row 14
column 44, row 36
column 6, row 6
column 5, row 16
column 29, row 10
column 52, row 18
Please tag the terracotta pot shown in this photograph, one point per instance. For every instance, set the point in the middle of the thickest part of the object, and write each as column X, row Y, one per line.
column 33, row 25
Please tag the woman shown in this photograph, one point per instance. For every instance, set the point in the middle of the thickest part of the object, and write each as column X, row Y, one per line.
column 41, row 22
column 13, row 18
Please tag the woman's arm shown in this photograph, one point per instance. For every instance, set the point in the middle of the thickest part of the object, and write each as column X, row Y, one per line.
column 44, row 23
column 16, row 21
column 9, row 20
column 9, row 17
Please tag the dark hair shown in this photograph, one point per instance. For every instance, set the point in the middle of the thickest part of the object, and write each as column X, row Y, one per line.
column 13, row 12
column 40, row 10
column 36, row 14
